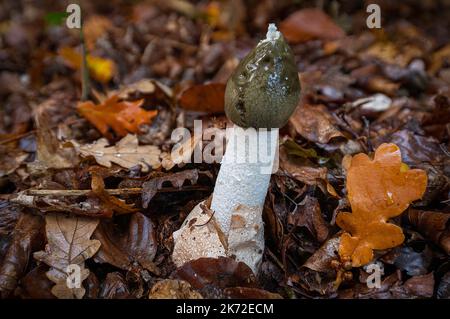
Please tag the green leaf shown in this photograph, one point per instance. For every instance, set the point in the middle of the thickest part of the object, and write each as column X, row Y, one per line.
column 55, row 18
column 294, row 149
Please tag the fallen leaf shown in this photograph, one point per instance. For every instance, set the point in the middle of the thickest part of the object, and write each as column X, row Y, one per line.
column 219, row 272
column 90, row 207
column 35, row 285
column 314, row 123
column 433, row 225
column 126, row 153
column 306, row 172
column 414, row 263
column 9, row 215
column 249, row 293
column 392, row 288
column 150, row 188
column 10, row 159
column 203, row 98
column 94, row 28
column 123, row 117
column 110, row 202
column 378, row 189
column 173, row 289
column 26, row 237
column 443, row 291
column 68, row 243
column 50, row 151
column 114, row 287
column 316, row 274
column 125, row 249
column 152, row 91
column 308, row 214
column 308, row 24
column 101, row 69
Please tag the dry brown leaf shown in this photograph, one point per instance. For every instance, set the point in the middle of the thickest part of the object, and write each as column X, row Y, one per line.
column 110, row 202
column 26, row 237
column 124, row 250
column 314, row 123
column 68, row 243
column 122, row 116
column 308, row 24
column 94, row 28
column 173, row 289
column 378, row 189
column 50, row 151
column 126, row 153
column 203, row 98
column 434, row 225
column 150, row 188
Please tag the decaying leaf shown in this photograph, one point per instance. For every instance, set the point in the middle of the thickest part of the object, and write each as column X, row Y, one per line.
column 173, row 289
column 26, row 237
column 68, row 244
column 378, row 189
column 110, row 202
column 316, row 274
column 150, row 188
column 126, row 153
column 203, row 98
column 220, row 272
column 154, row 92
column 122, row 116
column 94, row 28
column 101, row 69
column 125, row 249
column 308, row 24
column 307, row 214
column 114, row 287
column 314, row 123
column 50, row 151
column 249, row 293
column 433, row 225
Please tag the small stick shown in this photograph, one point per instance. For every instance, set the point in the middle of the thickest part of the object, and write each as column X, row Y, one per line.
column 118, row 191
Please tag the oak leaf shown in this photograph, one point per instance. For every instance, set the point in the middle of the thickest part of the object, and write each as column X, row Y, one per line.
column 68, row 244
column 378, row 189
column 126, row 153
column 122, row 116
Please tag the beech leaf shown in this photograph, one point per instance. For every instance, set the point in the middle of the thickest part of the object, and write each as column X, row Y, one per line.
column 308, row 24
column 68, row 243
column 378, row 189
column 204, row 98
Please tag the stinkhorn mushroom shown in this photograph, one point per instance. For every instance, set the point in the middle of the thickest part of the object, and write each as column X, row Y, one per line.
column 260, row 96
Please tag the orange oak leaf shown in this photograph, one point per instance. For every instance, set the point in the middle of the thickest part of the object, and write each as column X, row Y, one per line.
column 122, row 116
column 378, row 189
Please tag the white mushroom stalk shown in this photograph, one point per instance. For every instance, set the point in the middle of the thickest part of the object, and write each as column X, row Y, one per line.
column 260, row 96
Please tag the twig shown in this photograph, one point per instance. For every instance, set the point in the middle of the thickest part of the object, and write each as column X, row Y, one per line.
column 85, row 71
column 118, row 191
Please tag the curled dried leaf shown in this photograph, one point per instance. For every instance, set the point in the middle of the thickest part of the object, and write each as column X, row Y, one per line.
column 378, row 189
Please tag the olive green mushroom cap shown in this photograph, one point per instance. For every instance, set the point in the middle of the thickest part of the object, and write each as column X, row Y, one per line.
column 264, row 90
